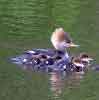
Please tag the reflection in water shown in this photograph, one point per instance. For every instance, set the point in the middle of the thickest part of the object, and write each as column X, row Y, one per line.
column 74, row 79
column 59, row 81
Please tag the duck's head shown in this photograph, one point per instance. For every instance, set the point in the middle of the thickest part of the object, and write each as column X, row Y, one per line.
column 77, row 62
column 85, row 58
column 61, row 40
column 78, row 65
column 58, row 35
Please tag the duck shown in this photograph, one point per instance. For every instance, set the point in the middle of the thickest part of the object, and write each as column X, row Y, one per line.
column 60, row 41
column 78, row 66
column 85, row 58
column 57, row 57
column 82, row 62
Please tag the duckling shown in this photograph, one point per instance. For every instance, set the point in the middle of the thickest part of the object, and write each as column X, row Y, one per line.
column 86, row 60
column 78, row 65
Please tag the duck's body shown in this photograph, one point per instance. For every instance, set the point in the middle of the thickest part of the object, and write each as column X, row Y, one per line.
column 43, row 58
column 49, row 60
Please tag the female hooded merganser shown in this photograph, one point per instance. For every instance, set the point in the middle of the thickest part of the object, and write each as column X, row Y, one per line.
column 61, row 40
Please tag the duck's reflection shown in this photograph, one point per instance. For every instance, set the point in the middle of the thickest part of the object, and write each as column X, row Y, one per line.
column 56, row 83
column 59, row 81
column 74, row 79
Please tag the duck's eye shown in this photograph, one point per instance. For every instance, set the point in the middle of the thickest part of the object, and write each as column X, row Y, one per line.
column 68, row 41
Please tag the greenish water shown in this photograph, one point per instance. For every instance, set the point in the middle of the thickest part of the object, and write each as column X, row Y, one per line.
column 28, row 24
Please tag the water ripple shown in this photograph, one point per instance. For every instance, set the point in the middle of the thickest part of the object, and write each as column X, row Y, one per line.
column 59, row 81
